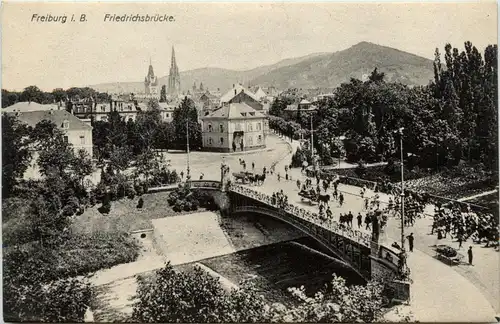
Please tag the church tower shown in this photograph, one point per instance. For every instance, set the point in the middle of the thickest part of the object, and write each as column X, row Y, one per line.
column 151, row 82
column 174, row 79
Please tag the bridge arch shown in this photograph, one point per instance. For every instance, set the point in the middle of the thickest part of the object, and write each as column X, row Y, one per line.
column 321, row 240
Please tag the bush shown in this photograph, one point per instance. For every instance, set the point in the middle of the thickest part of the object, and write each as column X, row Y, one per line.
column 140, row 203
column 131, row 192
column 106, row 206
column 71, row 207
column 361, row 169
column 197, row 297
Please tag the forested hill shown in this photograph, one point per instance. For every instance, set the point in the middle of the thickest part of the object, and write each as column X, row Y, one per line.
column 325, row 70
column 354, row 62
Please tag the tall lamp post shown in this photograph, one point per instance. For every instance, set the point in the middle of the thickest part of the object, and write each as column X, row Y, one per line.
column 403, row 268
column 402, row 191
column 312, row 110
column 188, row 175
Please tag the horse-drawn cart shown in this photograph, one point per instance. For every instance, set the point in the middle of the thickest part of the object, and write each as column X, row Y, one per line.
column 243, row 177
column 309, row 195
column 448, row 255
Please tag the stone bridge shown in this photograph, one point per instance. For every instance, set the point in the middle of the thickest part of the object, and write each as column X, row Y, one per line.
column 360, row 251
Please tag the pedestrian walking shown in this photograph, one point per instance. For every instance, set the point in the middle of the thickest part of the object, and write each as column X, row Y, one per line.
column 253, row 166
column 279, row 176
column 341, row 199
column 286, row 176
column 360, row 220
column 367, row 221
column 469, row 253
column 460, row 239
column 410, row 241
column 182, row 175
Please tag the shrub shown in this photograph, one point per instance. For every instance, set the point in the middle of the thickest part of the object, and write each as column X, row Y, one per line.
column 197, row 297
column 71, row 207
column 106, row 205
column 361, row 169
column 131, row 192
column 140, row 203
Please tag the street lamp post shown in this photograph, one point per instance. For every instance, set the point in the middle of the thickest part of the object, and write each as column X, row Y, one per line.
column 402, row 191
column 312, row 141
column 188, row 175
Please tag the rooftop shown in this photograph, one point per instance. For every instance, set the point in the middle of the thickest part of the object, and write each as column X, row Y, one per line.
column 235, row 111
column 26, row 106
column 235, row 90
column 58, row 117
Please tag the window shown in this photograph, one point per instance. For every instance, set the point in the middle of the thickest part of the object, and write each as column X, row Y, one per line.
column 209, row 141
column 259, row 139
column 65, row 124
column 250, row 140
column 121, row 107
column 209, row 127
column 221, row 141
column 167, row 115
column 250, row 128
column 103, row 108
column 82, row 140
column 259, row 126
column 66, row 139
column 221, row 128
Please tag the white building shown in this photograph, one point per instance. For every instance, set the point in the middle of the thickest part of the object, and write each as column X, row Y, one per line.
column 234, row 127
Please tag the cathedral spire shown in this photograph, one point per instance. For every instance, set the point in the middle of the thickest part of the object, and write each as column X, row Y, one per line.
column 172, row 61
column 174, row 79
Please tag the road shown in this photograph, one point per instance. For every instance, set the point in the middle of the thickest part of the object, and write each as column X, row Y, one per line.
column 439, row 293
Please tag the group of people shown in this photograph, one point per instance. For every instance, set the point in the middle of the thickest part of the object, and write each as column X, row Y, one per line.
column 463, row 223
column 279, row 199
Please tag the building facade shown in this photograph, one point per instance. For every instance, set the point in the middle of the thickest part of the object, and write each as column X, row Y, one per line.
column 234, row 127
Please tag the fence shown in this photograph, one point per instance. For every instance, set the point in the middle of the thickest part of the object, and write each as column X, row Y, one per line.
column 303, row 214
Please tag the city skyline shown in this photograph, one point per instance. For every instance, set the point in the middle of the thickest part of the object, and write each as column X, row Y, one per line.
column 227, row 36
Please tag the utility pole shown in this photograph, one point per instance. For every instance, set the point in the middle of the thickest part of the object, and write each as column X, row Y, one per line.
column 188, row 176
column 402, row 192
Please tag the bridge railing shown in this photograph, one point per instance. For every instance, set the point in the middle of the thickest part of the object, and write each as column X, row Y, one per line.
column 295, row 211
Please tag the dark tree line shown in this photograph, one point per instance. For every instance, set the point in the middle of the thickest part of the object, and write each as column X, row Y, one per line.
column 34, row 94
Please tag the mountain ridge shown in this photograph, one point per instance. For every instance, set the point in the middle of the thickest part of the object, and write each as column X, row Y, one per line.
column 323, row 69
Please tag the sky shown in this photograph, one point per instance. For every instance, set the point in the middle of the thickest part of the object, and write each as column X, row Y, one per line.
column 236, row 36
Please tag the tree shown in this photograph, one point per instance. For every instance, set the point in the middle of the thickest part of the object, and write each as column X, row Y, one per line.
column 59, row 94
column 82, row 165
column 16, row 154
column 197, row 297
column 32, row 93
column 163, row 93
column 179, row 297
column 53, row 151
column 30, row 297
column 376, row 77
column 120, row 158
column 186, row 116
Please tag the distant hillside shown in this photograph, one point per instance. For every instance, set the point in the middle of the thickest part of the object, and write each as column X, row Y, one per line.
column 212, row 78
column 325, row 70
column 331, row 70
